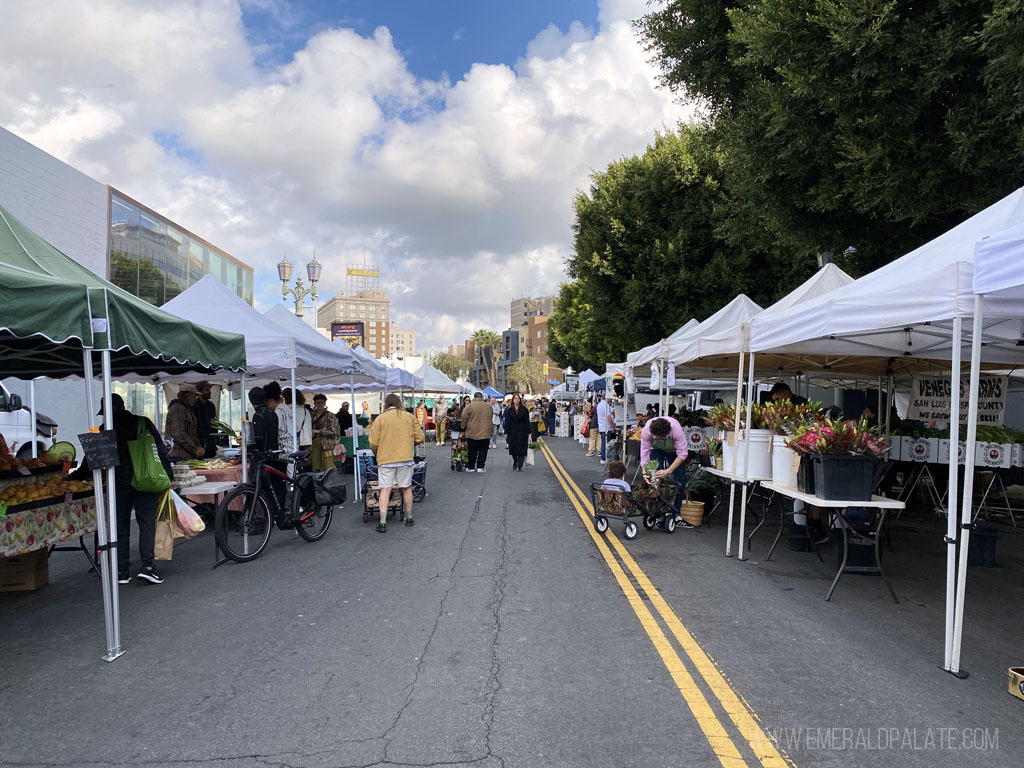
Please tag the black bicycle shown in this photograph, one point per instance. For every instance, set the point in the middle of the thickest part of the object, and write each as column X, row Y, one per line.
column 304, row 503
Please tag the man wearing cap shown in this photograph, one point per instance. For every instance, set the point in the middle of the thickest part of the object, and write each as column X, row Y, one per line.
column 205, row 412
column 325, row 434
column 180, row 425
column 476, row 425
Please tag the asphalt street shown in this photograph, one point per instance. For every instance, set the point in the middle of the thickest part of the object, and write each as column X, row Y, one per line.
column 502, row 631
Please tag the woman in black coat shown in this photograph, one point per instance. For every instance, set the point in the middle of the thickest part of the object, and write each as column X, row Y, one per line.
column 517, row 431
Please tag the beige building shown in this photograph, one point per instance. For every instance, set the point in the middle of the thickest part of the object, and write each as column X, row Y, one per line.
column 364, row 318
column 457, row 350
column 523, row 308
column 403, row 341
column 536, row 333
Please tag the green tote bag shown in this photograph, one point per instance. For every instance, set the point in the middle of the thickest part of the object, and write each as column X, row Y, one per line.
column 148, row 473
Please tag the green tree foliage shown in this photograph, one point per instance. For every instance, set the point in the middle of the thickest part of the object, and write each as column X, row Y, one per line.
column 648, row 254
column 452, row 366
column 526, row 372
column 871, row 124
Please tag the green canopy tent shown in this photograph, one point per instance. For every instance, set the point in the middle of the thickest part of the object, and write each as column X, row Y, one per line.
column 55, row 316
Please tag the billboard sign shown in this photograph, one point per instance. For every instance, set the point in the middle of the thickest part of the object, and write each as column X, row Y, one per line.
column 572, row 382
column 351, row 333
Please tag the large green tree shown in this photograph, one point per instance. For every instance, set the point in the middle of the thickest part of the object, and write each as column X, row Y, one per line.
column 526, row 372
column 870, row 125
column 648, row 255
column 452, row 366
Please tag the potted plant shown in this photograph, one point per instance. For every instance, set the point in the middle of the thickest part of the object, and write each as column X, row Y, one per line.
column 844, row 455
column 713, row 449
column 784, row 419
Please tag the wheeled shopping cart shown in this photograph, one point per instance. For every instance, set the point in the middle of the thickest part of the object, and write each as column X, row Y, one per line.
column 653, row 505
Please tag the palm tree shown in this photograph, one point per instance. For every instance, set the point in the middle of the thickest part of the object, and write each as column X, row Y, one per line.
column 489, row 343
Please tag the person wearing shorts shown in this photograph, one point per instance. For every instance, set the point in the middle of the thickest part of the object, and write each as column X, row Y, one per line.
column 393, row 440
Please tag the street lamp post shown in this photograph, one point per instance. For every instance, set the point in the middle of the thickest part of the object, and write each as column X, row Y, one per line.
column 300, row 292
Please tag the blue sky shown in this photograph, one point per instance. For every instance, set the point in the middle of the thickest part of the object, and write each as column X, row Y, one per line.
column 445, row 36
column 278, row 126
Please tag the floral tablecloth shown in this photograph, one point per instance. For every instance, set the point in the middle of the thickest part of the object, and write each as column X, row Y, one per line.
column 21, row 532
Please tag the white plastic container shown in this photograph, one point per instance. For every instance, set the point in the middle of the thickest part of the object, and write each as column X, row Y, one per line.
column 783, row 472
column 760, row 454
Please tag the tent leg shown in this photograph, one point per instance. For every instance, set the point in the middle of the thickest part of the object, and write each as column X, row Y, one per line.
column 355, row 438
column 954, row 481
column 111, row 553
column 107, row 578
column 746, row 456
column 732, row 469
column 295, row 415
column 32, row 417
column 967, row 505
column 244, row 441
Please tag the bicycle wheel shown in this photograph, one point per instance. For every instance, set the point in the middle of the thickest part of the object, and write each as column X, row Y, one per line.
column 243, row 524
column 312, row 523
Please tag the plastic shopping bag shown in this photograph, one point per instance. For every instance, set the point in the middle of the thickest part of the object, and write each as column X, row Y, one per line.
column 529, row 457
column 190, row 522
column 167, row 528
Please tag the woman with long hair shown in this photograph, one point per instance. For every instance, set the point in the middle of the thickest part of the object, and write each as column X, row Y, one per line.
column 517, row 431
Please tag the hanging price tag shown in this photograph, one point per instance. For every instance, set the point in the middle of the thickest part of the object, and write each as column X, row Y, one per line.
column 795, row 464
column 67, row 498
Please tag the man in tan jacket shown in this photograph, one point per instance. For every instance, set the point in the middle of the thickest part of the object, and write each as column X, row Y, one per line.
column 476, row 425
column 393, row 440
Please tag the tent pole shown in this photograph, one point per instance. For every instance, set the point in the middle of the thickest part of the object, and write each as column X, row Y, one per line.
column 295, row 414
column 355, row 437
column 106, row 577
column 732, row 470
column 32, row 417
column 746, row 456
column 967, row 505
column 111, row 553
column 889, row 400
column 245, row 441
column 954, row 481
column 156, row 403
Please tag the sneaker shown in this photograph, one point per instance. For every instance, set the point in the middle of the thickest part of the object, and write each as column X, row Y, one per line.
column 470, row 469
column 381, row 528
column 590, row 454
column 409, row 522
column 150, row 575
column 603, row 461
column 124, row 578
column 680, row 523
column 481, row 469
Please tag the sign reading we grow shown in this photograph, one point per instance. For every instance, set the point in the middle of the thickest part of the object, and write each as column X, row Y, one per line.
column 930, row 399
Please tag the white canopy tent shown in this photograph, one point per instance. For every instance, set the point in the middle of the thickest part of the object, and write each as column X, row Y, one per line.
column 909, row 315
column 587, row 377
column 435, row 381
column 657, row 351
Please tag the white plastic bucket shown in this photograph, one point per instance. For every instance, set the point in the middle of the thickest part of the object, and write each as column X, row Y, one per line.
column 782, row 462
column 760, row 454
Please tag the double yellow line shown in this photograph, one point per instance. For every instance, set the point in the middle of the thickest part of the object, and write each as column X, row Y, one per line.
column 742, row 717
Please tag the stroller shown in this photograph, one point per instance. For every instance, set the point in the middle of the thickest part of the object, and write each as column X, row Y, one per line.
column 460, row 448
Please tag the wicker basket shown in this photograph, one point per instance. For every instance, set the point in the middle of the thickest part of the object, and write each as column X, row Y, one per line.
column 692, row 512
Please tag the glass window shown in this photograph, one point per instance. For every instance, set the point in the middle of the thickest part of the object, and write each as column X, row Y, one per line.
column 125, row 219
column 196, row 261
column 152, row 259
column 176, row 260
column 216, row 265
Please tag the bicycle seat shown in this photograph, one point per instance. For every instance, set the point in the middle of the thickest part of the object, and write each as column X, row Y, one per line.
column 299, row 455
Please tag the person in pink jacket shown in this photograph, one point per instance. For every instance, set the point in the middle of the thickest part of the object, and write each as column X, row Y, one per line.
column 664, row 441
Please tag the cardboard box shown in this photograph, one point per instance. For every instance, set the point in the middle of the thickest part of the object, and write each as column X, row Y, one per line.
column 944, row 451
column 924, row 449
column 992, row 455
column 1017, row 682
column 25, row 572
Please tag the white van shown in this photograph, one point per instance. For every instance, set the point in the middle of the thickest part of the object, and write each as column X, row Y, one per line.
column 16, row 426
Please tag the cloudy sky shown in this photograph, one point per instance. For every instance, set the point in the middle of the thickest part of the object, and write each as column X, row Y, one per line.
column 444, row 140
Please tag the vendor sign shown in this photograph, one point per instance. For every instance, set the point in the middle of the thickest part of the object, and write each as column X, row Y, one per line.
column 930, row 399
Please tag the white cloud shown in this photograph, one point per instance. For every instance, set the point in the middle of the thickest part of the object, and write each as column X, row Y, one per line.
column 462, row 192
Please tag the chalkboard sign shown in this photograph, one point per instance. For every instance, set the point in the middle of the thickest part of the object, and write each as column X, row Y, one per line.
column 100, row 449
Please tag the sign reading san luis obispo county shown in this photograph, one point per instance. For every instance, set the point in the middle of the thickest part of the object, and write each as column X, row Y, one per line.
column 930, row 399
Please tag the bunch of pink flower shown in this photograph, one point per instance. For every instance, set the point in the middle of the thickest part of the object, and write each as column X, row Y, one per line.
column 831, row 437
